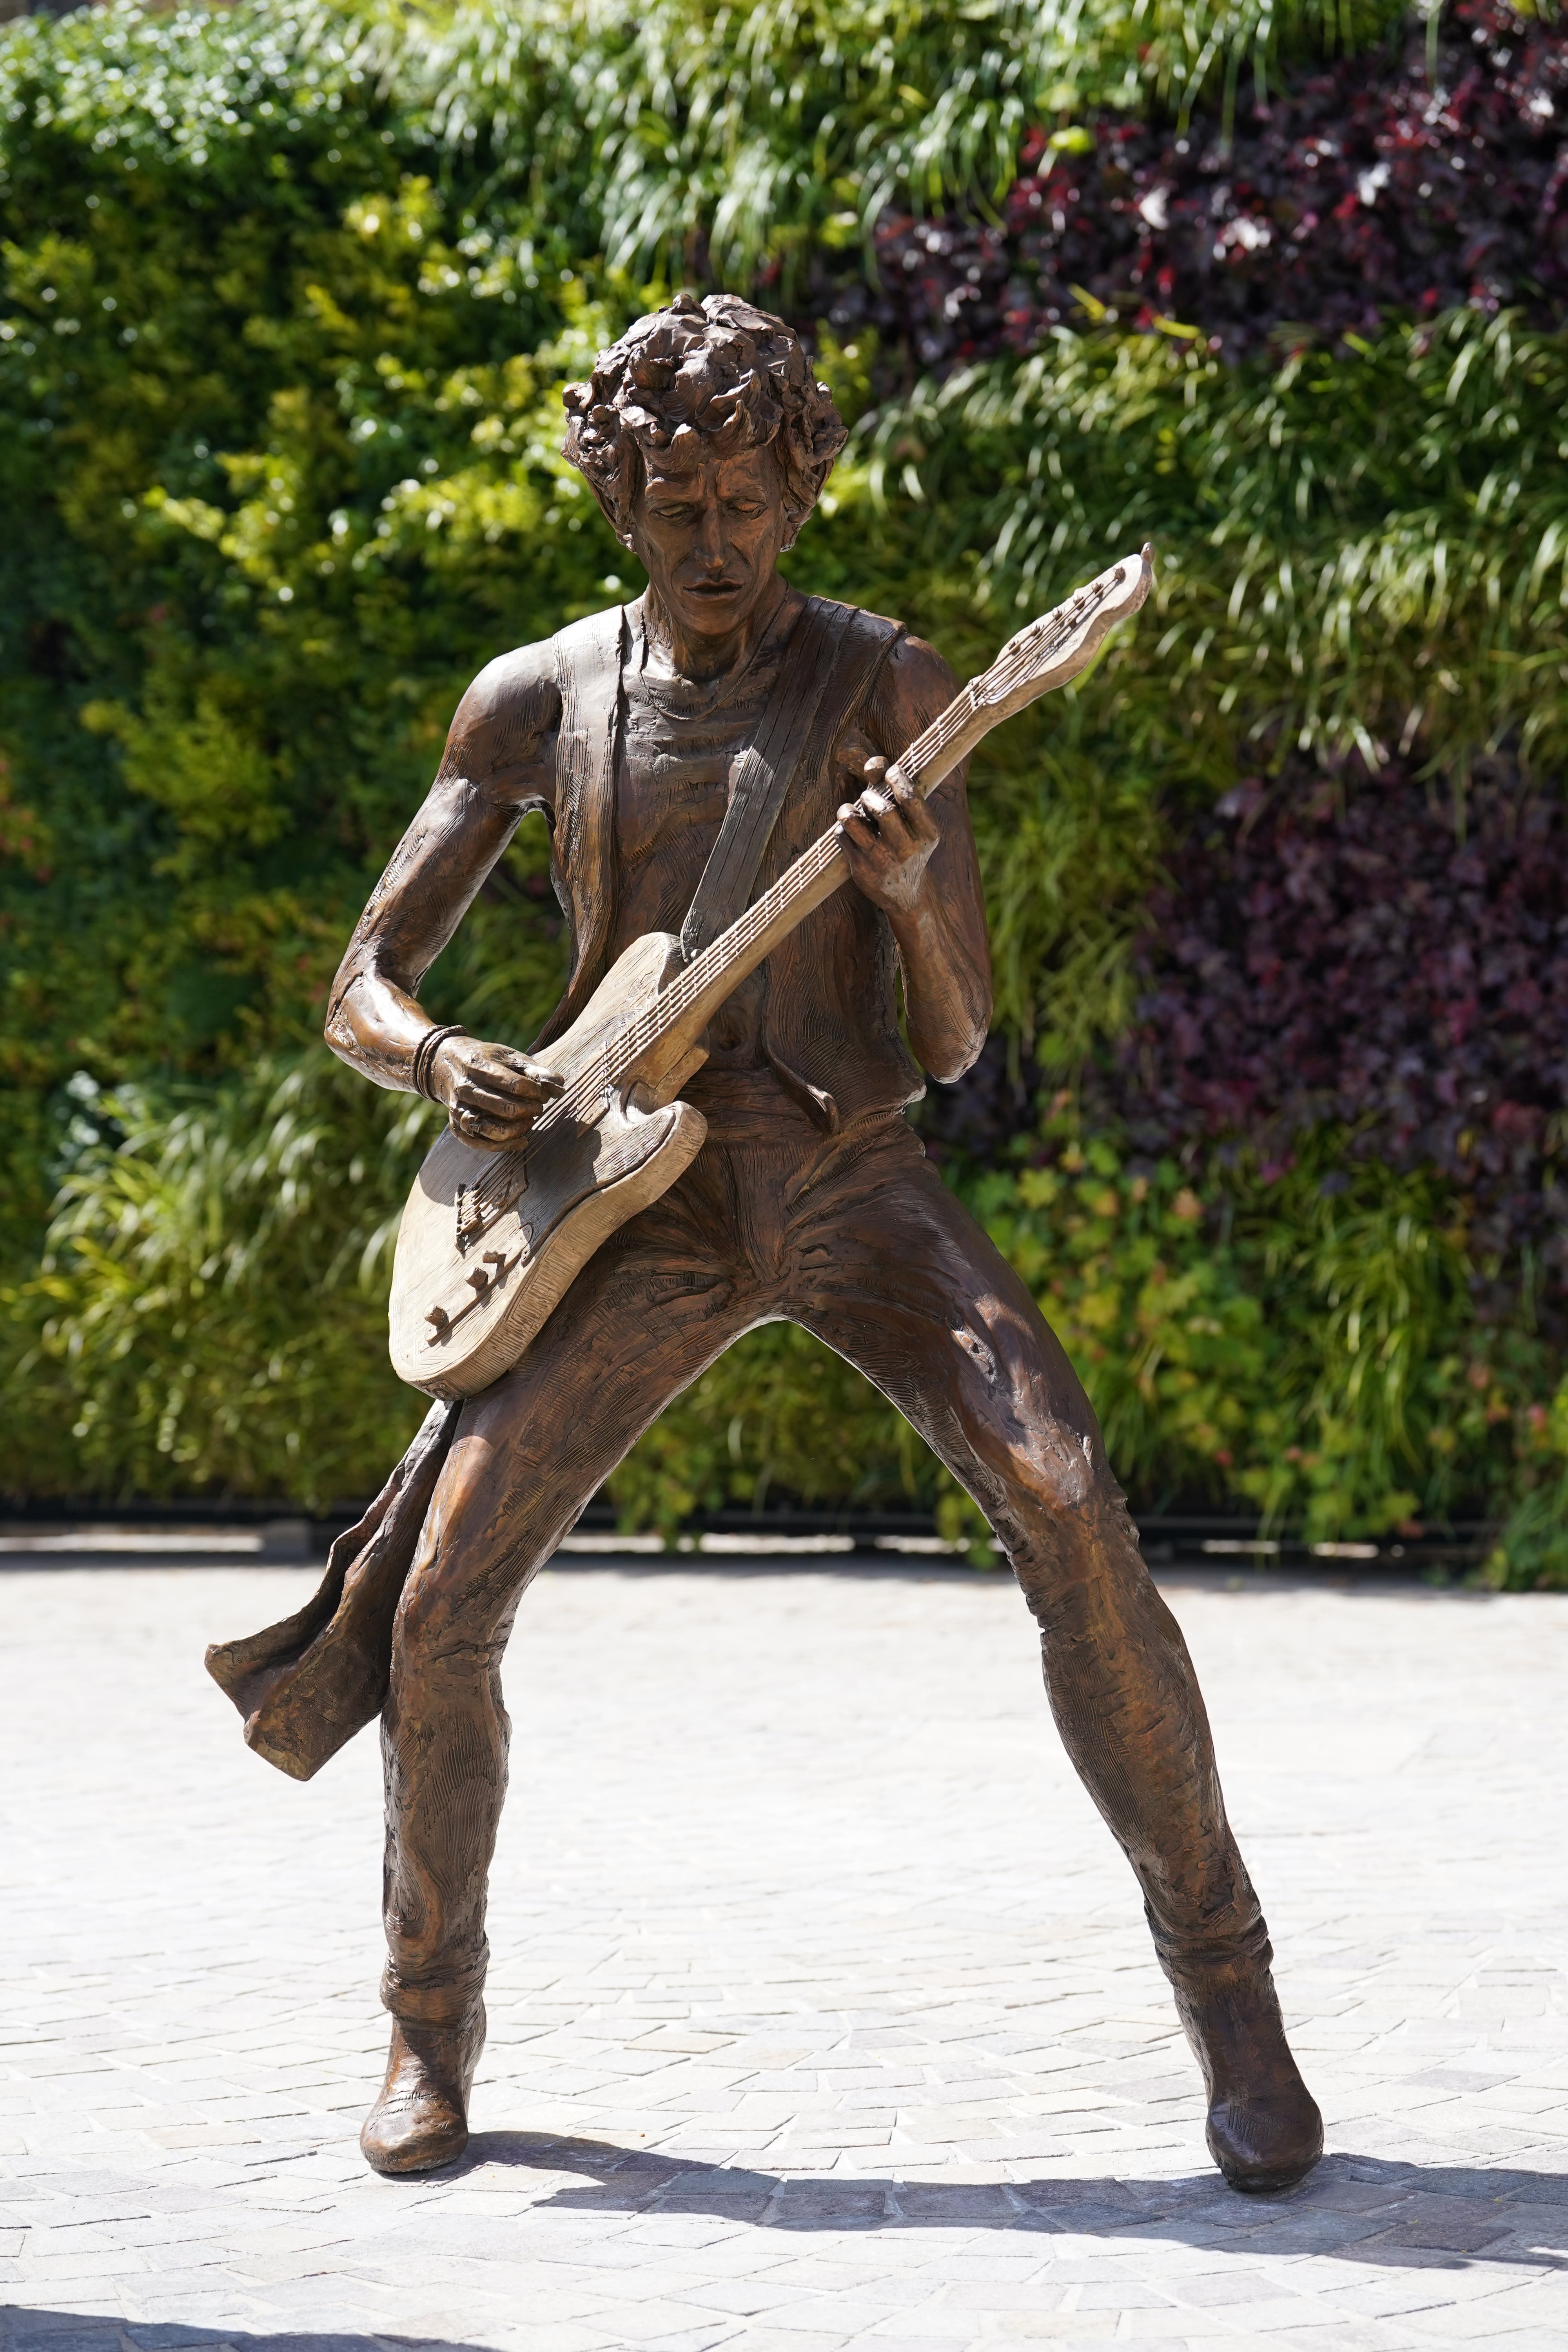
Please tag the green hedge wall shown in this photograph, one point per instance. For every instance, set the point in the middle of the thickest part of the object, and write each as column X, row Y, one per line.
column 289, row 294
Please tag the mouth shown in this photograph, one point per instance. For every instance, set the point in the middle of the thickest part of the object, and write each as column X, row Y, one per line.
column 714, row 589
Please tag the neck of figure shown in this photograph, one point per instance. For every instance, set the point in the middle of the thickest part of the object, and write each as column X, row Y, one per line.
column 703, row 659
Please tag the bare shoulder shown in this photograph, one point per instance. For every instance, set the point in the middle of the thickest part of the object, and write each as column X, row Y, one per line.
column 915, row 684
column 921, row 672
column 503, row 720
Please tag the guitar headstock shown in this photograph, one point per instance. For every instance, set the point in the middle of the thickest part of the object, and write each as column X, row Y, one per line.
column 1051, row 651
column 1054, row 649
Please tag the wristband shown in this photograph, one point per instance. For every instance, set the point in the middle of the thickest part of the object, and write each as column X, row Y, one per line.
column 424, row 1053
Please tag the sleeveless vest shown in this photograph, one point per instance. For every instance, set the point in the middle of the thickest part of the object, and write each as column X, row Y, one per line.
column 830, row 1029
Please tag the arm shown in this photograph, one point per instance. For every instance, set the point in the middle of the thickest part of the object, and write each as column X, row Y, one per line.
column 915, row 860
column 497, row 766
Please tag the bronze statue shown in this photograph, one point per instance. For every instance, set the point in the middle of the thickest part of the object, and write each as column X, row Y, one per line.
column 701, row 740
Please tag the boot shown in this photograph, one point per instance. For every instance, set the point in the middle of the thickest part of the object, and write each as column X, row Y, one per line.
column 1264, row 2130
column 421, row 2120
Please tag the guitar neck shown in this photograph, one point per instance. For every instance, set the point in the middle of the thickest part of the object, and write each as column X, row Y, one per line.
column 1047, row 653
column 684, row 1008
column 690, row 1001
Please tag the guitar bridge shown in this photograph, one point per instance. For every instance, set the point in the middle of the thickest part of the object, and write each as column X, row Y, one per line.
column 478, row 1205
column 470, row 1217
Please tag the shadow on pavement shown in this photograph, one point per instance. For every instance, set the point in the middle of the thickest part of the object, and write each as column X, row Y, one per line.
column 1361, row 2207
column 1358, row 2208
column 75, row 2331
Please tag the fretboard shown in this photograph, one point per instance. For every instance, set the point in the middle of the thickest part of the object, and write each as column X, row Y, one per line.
column 1023, row 670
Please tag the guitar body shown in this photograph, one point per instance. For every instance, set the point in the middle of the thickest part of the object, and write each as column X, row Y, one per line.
column 465, row 1302
column 491, row 1240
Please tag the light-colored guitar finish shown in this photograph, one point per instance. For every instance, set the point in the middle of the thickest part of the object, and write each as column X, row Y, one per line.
column 462, row 1312
column 491, row 1240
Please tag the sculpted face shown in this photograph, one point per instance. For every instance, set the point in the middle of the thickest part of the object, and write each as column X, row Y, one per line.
column 708, row 537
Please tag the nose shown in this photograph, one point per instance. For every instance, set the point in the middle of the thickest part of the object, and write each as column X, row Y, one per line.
column 710, row 548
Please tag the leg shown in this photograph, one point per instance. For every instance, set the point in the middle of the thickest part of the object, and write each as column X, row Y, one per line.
column 649, row 1313
column 910, row 1291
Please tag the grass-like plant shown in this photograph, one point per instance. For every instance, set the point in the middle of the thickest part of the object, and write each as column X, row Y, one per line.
column 289, row 294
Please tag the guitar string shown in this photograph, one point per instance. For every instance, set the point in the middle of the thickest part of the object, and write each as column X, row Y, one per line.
column 493, row 1197
column 724, row 952
column 494, row 1191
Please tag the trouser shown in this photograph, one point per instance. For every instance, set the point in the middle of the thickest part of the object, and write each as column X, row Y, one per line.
column 856, row 1239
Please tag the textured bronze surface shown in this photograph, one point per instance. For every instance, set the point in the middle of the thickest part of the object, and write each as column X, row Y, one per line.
column 811, row 1199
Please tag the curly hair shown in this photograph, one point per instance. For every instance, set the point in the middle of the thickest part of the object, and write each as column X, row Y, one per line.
column 715, row 376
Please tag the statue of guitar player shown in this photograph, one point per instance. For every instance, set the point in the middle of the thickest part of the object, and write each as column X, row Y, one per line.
column 707, row 441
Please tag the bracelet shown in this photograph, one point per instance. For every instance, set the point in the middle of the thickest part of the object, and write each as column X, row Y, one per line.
column 424, row 1053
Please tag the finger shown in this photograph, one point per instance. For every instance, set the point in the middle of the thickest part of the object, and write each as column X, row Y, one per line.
column 896, row 833
column 488, row 1111
column 922, row 826
column 538, row 1074
column 483, row 1102
column 912, row 806
column 857, row 826
column 513, row 1084
column 493, row 1133
column 853, row 750
column 874, row 768
column 505, row 1058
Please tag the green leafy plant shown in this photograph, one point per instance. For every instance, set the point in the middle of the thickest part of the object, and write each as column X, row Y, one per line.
column 210, row 1310
column 290, row 294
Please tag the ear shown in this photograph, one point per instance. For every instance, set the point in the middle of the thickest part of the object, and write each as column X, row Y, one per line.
column 628, row 490
column 608, row 511
column 615, row 503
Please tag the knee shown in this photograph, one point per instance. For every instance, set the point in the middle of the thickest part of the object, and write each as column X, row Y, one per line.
column 1078, row 1561
column 446, row 1623
column 1036, row 1475
column 418, row 1629
column 1030, row 1428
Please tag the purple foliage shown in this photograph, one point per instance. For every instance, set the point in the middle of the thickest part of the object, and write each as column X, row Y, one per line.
column 1358, row 192
column 1362, row 956
column 977, row 1117
column 1355, row 951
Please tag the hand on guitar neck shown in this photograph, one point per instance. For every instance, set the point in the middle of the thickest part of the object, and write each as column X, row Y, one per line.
column 890, row 833
column 494, row 1093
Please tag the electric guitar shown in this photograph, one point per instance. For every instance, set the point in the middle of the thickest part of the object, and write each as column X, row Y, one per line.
column 491, row 1239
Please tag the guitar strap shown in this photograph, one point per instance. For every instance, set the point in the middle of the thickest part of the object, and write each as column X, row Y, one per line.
column 826, row 649
column 588, row 655
column 833, row 652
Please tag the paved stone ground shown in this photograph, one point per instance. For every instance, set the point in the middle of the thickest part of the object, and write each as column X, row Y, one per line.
column 822, row 2013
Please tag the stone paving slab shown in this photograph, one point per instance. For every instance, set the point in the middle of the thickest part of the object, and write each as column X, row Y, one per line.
column 822, row 2012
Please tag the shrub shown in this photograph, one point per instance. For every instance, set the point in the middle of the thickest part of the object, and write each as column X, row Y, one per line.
column 1377, row 187
column 210, row 1312
column 290, row 293
column 1359, row 950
